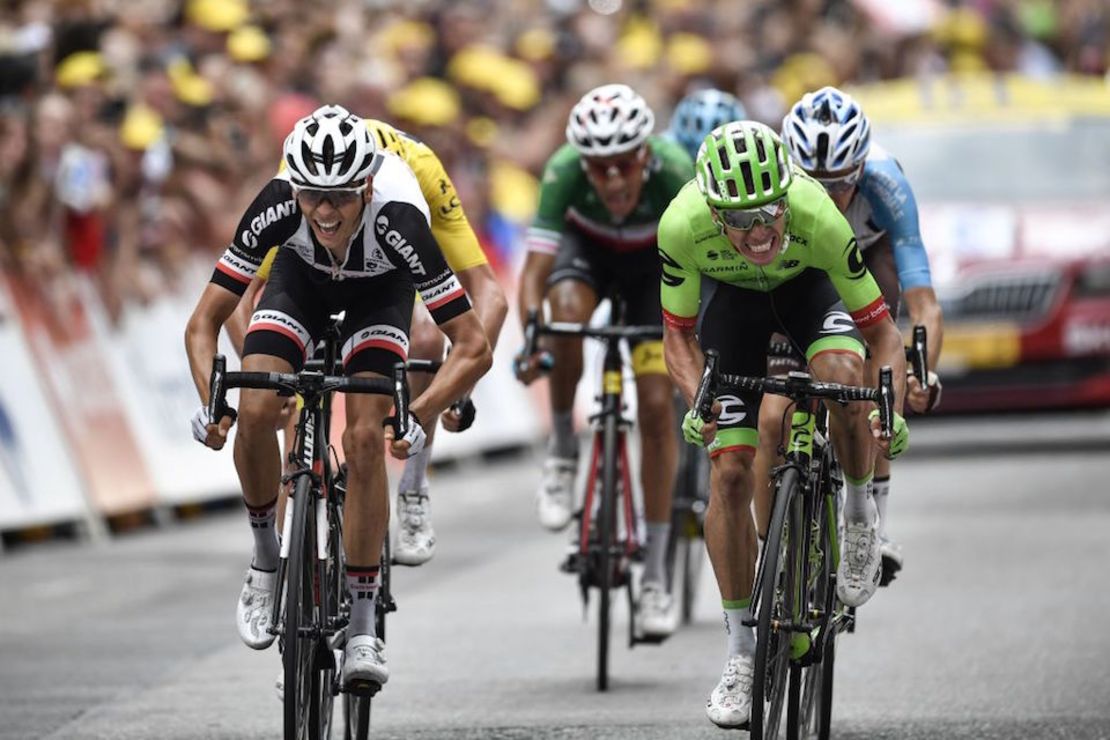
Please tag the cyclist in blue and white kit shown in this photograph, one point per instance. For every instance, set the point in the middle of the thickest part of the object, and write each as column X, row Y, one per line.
column 828, row 134
column 699, row 113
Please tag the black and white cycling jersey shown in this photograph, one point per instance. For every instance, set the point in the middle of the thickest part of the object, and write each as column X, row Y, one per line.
column 394, row 235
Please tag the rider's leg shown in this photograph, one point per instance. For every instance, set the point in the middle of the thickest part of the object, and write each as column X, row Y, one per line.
column 416, row 539
column 258, row 462
column 258, row 458
column 366, row 509
column 730, row 540
column 574, row 301
column 655, row 395
column 851, row 433
column 771, row 435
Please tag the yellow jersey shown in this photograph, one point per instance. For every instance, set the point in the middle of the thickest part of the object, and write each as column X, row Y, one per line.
column 449, row 223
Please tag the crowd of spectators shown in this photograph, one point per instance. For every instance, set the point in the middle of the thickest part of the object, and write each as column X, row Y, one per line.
column 133, row 134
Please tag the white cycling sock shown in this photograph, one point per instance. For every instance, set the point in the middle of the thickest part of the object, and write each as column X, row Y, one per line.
column 266, row 550
column 655, row 558
column 362, row 582
column 859, row 505
column 881, row 489
column 741, row 639
column 563, row 442
column 416, row 470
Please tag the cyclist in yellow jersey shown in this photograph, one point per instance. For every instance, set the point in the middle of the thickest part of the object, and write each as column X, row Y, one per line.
column 416, row 538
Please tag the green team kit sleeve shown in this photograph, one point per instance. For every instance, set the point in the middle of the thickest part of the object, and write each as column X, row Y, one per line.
column 680, row 279
column 837, row 253
column 562, row 179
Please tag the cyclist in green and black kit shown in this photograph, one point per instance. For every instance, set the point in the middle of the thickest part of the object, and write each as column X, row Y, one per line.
column 595, row 235
column 783, row 259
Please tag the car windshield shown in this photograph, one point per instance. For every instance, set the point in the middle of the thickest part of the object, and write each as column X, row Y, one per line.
column 1043, row 162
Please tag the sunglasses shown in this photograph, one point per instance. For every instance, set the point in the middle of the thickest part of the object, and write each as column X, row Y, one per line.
column 603, row 168
column 338, row 197
column 745, row 219
column 840, row 183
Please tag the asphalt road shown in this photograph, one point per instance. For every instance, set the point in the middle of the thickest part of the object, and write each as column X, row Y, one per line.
column 997, row 627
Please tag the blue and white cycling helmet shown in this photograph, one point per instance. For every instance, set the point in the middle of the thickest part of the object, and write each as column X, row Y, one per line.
column 699, row 113
column 826, row 131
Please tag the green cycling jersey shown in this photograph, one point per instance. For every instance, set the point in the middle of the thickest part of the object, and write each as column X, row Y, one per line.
column 817, row 236
column 568, row 200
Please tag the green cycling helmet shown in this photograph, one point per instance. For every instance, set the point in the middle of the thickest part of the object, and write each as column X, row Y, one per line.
column 742, row 164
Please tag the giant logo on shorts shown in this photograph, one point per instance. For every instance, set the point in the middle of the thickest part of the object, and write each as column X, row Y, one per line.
column 837, row 322
column 732, row 411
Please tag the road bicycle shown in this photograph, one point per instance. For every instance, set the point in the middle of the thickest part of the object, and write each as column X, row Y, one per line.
column 795, row 611
column 608, row 537
column 312, row 606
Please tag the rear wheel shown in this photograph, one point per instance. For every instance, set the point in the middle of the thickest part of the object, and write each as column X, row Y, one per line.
column 299, row 653
column 776, row 598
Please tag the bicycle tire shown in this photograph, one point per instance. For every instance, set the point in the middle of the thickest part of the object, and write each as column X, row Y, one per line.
column 775, row 603
column 606, row 527
column 815, row 679
column 298, row 655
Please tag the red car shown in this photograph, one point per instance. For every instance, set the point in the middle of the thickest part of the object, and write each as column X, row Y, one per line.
column 1012, row 181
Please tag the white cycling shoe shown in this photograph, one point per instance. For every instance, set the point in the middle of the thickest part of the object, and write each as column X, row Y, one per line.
column 857, row 577
column 656, row 613
column 255, row 606
column 364, row 661
column 730, row 704
column 416, row 540
column 555, row 496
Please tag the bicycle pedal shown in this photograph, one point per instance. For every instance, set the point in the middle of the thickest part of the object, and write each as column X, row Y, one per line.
column 364, row 689
column 888, row 572
column 572, row 563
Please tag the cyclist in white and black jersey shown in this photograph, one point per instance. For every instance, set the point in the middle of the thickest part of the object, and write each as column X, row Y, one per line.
column 354, row 234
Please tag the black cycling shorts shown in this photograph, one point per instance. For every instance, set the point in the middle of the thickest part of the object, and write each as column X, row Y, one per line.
column 879, row 258
column 633, row 276
column 738, row 323
column 296, row 304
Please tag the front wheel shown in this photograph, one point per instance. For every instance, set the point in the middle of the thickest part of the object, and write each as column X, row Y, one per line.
column 606, row 559
column 301, row 701
column 775, row 594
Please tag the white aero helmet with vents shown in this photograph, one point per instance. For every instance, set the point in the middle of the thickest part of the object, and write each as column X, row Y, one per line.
column 332, row 148
column 826, row 131
column 608, row 120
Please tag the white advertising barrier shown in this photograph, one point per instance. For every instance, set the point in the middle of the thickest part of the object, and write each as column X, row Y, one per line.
column 39, row 483
column 146, row 354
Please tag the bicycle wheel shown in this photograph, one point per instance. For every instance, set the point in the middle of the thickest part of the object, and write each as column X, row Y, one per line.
column 606, row 559
column 299, row 653
column 811, row 677
column 776, row 589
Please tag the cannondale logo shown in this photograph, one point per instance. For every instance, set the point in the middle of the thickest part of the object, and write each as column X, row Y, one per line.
column 732, row 411
column 837, row 322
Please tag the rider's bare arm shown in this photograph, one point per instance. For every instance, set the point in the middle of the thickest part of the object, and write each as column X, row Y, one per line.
column 202, row 332
column 487, row 298
column 468, row 361
column 925, row 310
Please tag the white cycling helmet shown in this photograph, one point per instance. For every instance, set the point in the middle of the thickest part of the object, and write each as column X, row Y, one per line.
column 826, row 131
column 608, row 120
column 331, row 148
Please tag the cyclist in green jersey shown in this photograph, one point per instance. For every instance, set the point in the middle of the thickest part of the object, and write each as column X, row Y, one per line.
column 594, row 236
column 782, row 259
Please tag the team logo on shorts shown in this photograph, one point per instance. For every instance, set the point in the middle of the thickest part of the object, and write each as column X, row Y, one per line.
column 837, row 322
column 732, row 411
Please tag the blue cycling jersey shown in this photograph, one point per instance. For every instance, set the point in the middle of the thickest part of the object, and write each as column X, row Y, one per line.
column 884, row 205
